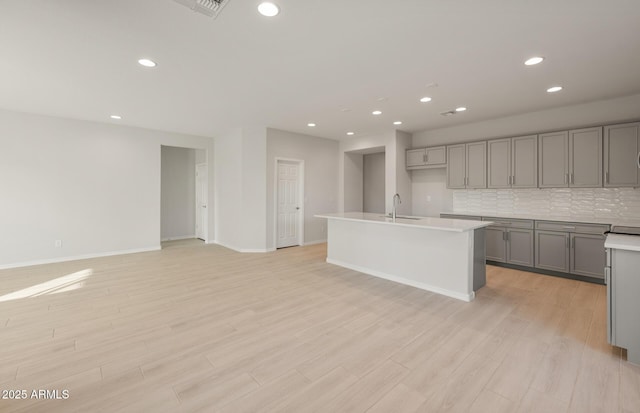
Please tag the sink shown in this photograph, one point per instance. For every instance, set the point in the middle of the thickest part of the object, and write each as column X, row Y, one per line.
column 401, row 217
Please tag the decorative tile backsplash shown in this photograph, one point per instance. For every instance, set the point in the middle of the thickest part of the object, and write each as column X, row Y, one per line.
column 557, row 202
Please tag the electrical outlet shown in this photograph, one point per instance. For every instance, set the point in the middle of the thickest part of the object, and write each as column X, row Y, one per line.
column 58, row 243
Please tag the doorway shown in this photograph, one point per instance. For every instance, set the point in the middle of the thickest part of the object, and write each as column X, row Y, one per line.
column 183, row 193
column 201, row 201
column 289, row 198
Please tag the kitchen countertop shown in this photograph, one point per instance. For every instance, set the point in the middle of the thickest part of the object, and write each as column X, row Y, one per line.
column 622, row 242
column 440, row 224
column 569, row 218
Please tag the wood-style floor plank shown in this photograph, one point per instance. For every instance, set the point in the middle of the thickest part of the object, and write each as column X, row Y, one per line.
column 197, row 327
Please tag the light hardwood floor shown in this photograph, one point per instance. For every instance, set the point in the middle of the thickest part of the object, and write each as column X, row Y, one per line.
column 201, row 328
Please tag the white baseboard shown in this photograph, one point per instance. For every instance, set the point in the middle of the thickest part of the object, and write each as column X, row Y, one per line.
column 422, row 286
column 318, row 241
column 178, row 238
column 76, row 257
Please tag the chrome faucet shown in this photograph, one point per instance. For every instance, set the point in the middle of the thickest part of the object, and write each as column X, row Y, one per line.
column 393, row 214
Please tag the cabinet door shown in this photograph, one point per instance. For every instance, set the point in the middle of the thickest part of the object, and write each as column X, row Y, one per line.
column 477, row 165
column 588, row 255
column 520, row 247
column 499, row 161
column 553, row 160
column 436, row 156
column 552, row 250
column 495, row 244
column 524, row 162
column 621, row 155
column 456, row 166
column 416, row 157
column 585, row 157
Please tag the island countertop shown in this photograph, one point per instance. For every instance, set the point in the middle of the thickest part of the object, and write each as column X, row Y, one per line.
column 441, row 224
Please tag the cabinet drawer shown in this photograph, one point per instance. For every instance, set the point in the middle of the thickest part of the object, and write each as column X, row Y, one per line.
column 509, row 223
column 572, row 227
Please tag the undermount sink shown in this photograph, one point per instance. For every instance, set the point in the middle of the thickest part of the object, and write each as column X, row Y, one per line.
column 400, row 216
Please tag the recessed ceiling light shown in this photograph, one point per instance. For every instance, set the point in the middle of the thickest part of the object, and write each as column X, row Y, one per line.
column 116, row 117
column 376, row 112
column 268, row 9
column 554, row 89
column 533, row 60
column 425, row 99
column 461, row 109
column 147, row 62
column 350, row 133
column 397, row 122
column 311, row 125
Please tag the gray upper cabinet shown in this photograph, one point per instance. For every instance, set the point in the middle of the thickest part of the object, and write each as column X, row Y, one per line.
column 456, row 167
column 476, row 157
column 467, row 165
column 570, row 159
column 513, row 162
column 622, row 155
column 585, row 157
column 499, row 161
column 427, row 157
column 553, row 160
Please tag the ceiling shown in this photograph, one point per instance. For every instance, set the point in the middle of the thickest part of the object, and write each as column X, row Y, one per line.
column 328, row 62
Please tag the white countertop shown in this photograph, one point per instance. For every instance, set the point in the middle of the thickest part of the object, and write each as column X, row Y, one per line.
column 622, row 242
column 628, row 222
column 440, row 224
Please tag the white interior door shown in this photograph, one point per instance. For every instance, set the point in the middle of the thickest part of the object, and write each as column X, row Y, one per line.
column 201, row 201
column 288, row 204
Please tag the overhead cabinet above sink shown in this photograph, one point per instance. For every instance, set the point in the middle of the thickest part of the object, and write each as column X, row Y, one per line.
column 422, row 158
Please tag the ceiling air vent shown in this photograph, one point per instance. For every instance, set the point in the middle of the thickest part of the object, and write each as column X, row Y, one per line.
column 210, row 8
column 448, row 113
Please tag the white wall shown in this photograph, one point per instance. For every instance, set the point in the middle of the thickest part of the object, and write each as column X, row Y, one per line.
column 397, row 179
column 567, row 117
column 432, row 182
column 241, row 190
column 373, row 171
column 94, row 186
column 403, row 177
column 177, row 191
column 320, row 158
column 353, row 182
column 430, row 193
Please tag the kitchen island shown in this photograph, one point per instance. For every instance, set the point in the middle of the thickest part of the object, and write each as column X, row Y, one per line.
column 445, row 256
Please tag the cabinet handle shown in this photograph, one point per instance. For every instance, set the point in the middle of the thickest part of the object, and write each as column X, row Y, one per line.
column 566, row 178
column 568, row 227
column 504, row 235
column 638, row 159
column 573, row 243
column 513, row 180
column 606, row 177
column 568, row 241
column 571, row 178
column 424, row 158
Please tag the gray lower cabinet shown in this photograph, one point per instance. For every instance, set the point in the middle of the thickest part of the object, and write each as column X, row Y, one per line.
column 552, row 251
column 571, row 248
column 509, row 241
column 587, row 255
